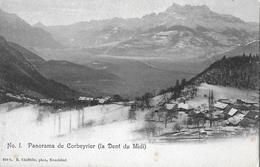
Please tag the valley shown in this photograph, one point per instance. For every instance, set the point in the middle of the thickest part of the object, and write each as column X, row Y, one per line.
column 137, row 75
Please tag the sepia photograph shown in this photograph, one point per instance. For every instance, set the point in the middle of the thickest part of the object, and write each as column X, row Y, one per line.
column 129, row 83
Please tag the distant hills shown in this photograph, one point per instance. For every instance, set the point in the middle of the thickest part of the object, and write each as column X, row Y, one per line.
column 18, row 76
column 14, row 29
column 88, row 81
column 249, row 48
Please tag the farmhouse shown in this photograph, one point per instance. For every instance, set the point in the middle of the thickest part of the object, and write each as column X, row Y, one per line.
column 252, row 115
column 85, row 98
column 171, row 107
column 225, row 101
column 232, row 111
column 245, row 101
column 185, row 107
column 220, row 105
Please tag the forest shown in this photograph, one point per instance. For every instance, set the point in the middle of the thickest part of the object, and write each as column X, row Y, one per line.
column 239, row 72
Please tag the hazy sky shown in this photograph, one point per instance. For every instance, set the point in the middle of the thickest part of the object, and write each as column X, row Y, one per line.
column 54, row 12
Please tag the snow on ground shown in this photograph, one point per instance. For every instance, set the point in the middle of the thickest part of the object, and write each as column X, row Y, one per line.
column 160, row 98
column 108, row 124
column 31, row 121
column 221, row 92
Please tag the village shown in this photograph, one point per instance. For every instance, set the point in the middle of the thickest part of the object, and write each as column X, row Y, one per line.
column 179, row 115
column 170, row 117
column 183, row 118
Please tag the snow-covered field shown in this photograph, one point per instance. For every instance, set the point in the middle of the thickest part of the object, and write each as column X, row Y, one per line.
column 221, row 92
column 108, row 124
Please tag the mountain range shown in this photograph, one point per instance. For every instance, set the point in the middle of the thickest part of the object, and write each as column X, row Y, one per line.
column 180, row 32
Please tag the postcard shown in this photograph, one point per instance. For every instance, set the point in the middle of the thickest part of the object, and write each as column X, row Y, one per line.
column 129, row 83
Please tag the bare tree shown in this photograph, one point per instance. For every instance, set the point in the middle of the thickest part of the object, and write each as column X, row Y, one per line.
column 132, row 114
column 177, row 127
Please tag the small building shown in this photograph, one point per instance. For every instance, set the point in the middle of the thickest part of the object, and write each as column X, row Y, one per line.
column 218, row 114
column 232, row 111
column 107, row 98
column 181, row 100
column 101, row 101
column 185, row 107
column 252, row 115
column 234, row 120
column 225, row 101
column 13, row 96
column 169, row 106
column 245, row 101
column 247, row 122
column 244, row 112
column 85, row 98
column 227, row 109
column 220, row 105
column 47, row 101
column 172, row 101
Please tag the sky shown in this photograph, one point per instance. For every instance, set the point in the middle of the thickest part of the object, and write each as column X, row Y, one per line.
column 62, row 12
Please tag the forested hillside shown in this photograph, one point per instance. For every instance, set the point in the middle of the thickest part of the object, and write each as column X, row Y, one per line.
column 238, row 72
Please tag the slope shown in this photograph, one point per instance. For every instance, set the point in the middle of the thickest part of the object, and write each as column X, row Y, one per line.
column 239, row 72
column 17, row 75
column 14, row 29
column 89, row 81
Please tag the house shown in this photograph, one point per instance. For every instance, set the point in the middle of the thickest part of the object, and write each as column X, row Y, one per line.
column 227, row 109
column 234, row 120
column 245, row 101
column 169, row 106
column 14, row 96
column 244, row 112
column 246, row 105
column 48, row 101
column 220, row 105
column 252, row 115
column 101, row 101
column 107, row 98
column 181, row 100
column 85, row 98
column 218, row 114
column 247, row 122
column 172, row 101
column 185, row 107
column 239, row 115
column 225, row 101
column 232, row 112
